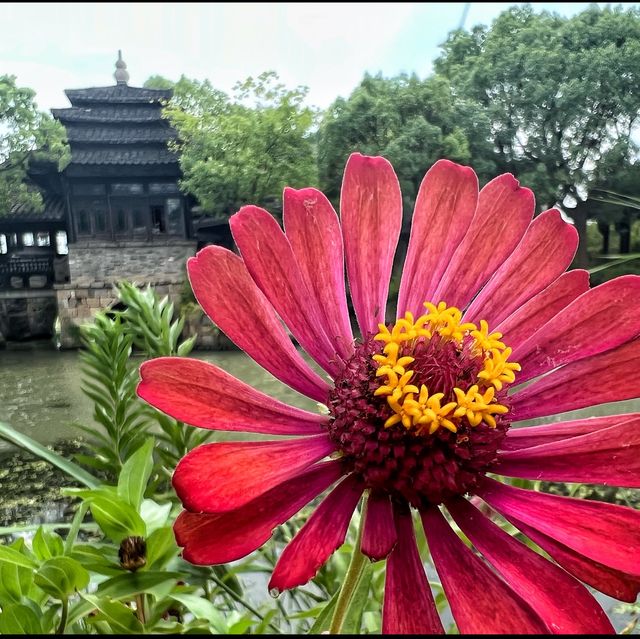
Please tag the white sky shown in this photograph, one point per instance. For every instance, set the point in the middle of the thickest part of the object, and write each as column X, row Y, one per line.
column 326, row 46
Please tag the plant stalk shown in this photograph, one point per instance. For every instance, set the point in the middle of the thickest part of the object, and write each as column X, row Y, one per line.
column 63, row 617
column 140, row 608
column 352, row 578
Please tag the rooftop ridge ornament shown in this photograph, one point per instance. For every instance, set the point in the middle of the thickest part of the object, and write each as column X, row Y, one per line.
column 121, row 75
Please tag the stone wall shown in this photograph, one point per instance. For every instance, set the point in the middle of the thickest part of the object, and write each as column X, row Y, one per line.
column 209, row 336
column 113, row 261
column 28, row 317
column 96, row 267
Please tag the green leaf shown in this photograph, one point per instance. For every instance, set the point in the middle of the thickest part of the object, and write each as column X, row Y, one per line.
column 46, row 545
column 202, row 608
column 61, row 577
column 359, row 601
column 75, row 528
column 18, row 619
column 101, row 559
column 187, row 346
column 614, row 261
column 161, row 547
column 135, row 474
column 117, row 519
column 120, row 618
column 73, row 470
column 15, row 557
column 323, row 620
column 129, row 584
column 155, row 515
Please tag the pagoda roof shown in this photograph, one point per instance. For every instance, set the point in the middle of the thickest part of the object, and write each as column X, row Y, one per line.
column 112, row 114
column 117, row 94
column 110, row 134
column 123, row 155
column 116, row 127
column 54, row 210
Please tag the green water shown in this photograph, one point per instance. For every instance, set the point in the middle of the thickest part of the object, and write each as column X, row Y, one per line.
column 41, row 396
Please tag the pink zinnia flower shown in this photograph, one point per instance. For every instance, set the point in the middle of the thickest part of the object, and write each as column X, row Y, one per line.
column 420, row 411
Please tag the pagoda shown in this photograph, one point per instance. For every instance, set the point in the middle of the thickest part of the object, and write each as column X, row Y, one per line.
column 122, row 181
column 114, row 213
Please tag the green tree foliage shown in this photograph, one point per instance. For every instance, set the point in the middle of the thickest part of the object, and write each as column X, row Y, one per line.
column 561, row 95
column 411, row 122
column 158, row 82
column 25, row 133
column 242, row 148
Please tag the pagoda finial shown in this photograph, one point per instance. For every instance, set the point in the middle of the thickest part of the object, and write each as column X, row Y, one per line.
column 121, row 75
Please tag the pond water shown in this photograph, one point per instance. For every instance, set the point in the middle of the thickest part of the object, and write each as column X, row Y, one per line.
column 41, row 396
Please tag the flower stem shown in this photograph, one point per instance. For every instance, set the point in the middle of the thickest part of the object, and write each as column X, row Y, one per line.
column 352, row 578
column 140, row 608
column 63, row 617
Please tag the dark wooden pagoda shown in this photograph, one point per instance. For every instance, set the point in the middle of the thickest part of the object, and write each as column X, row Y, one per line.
column 122, row 181
column 114, row 213
column 121, row 184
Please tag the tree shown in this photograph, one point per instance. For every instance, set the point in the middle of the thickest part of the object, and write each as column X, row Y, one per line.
column 25, row 134
column 561, row 95
column 244, row 148
column 158, row 82
column 411, row 122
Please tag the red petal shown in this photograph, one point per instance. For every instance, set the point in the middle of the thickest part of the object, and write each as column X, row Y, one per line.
column 371, row 213
column 408, row 603
column 217, row 539
column 223, row 287
column 545, row 252
column 379, row 536
column 564, row 604
column 535, row 313
column 597, row 321
column 611, row 582
column 203, row 395
column 518, row 438
column 607, row 377
column 313, row 229
column 444, row 208
column 273, row 266
column 606, row 533
column 319, row 538
column 609, row 456
column 480, row 601
column 216, row 478
column 503, row 214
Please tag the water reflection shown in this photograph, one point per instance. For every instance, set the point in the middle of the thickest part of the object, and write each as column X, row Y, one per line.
column 40, row 388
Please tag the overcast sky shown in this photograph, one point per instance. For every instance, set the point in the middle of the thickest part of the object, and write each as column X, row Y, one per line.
column 326, row 46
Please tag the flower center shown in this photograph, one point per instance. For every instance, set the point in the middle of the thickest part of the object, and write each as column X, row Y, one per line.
column 420, row 409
